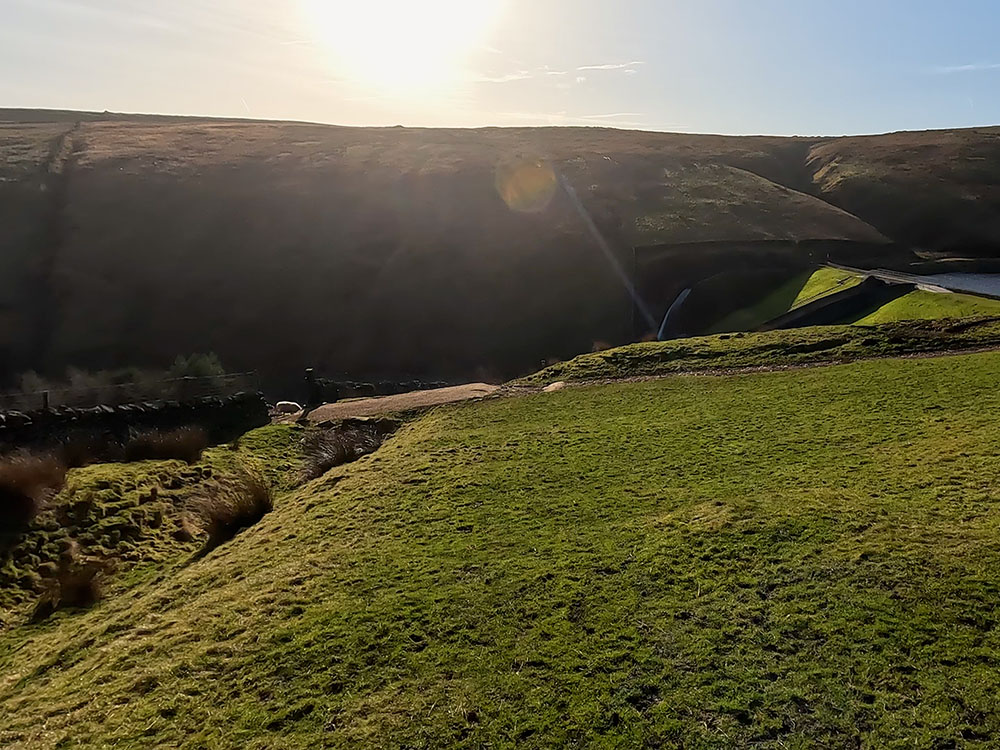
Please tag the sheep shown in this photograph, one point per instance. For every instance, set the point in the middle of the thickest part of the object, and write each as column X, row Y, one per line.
column 287, row 407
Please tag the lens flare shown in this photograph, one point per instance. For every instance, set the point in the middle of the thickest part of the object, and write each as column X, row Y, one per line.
column 526, row 185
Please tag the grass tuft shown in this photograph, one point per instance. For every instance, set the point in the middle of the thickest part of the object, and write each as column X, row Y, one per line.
column 85, row 448
column 78, row 585
column 26, row 481
column 185, row 444
column 324, row 449
column 232, row 507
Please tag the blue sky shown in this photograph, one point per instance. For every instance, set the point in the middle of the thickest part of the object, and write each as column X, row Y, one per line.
column 724, row 66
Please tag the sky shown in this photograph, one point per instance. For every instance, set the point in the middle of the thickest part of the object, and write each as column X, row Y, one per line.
column 783, row 67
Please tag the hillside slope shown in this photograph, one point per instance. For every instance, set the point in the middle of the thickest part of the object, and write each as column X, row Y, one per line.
column 790, row 559
column 935, row 189
column 377, row 251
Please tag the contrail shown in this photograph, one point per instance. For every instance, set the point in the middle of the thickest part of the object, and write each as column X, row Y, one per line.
column 608, row 253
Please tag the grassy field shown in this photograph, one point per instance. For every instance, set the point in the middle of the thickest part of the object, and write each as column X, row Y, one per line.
column 822, row 282
column 920, row 305
column 770, row 349
column 790, row 559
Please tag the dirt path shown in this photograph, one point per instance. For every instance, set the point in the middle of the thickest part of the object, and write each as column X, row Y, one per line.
column 370, row 407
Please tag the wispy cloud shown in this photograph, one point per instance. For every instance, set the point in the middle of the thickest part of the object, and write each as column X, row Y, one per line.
column 520, row 75
column 602, row 119
column 969, row 68
column 627, row 66
column 564, row 75
column 612, row 116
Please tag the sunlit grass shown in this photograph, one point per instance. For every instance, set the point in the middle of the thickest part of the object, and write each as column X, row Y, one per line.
column 791, row 559
column 920, row 305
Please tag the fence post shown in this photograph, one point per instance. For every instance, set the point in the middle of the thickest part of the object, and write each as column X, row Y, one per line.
column 313, row 396
column 45, row 400
column 185, row 389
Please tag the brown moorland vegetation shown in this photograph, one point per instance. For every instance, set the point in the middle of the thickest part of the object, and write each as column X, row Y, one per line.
column 130, row 239
column 185, row 444
column 25, row 482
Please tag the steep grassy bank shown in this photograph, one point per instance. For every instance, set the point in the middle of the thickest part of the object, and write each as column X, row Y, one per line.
column 790, row 559
column 132, row 516
column 920, row 305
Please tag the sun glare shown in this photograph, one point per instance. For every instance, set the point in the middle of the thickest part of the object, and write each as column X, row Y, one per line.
column 401, row 46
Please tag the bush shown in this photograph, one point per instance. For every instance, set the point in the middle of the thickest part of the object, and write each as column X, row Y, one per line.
column 77, row 585
column 26, row 481
column 235, row 505
column 185, row 444
column 85, row 388
column 197, row 366
column 326, row 449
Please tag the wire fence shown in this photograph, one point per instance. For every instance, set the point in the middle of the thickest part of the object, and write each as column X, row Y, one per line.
column 117, row 394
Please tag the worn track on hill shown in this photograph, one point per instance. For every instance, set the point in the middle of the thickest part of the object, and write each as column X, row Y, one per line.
column 369, row 407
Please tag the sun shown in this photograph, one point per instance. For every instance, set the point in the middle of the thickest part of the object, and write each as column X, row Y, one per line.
column 401, row 46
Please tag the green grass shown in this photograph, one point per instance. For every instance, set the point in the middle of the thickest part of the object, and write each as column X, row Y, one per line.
column 795, row 292
column 775, row 303
column 768, row 349
column 920, row 305
column 809, row 287
column 132, row 513
column 823, row 282
column 791, row 559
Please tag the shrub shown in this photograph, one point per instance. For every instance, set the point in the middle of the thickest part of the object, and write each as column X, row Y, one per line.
column 326, row 449
column 197, row 366
column 185, row 444
column 76, row 585
column 233, row 506
column 84, row 388
column 26, row 481
column 16, row 510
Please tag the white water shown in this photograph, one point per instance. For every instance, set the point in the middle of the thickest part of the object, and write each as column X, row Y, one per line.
column 672, row 309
